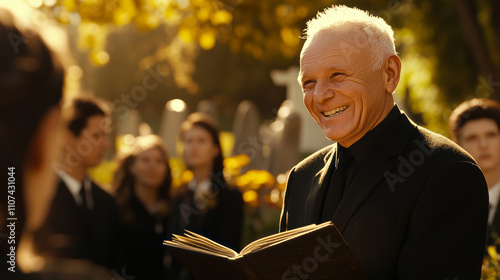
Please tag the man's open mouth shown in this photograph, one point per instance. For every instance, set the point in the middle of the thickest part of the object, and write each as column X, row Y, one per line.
column 335, row 111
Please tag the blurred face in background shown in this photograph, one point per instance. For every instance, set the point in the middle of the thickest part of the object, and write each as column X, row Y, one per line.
column 92, row 142
column 481, row 138
column 149, row 168
column 199, row 148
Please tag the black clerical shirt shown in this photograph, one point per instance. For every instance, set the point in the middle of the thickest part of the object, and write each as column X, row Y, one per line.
column 349, row 161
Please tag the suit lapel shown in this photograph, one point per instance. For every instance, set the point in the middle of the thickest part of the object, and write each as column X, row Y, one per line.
column 371, row 173
column 368, row 177
column 66, row 195
column 319, row 186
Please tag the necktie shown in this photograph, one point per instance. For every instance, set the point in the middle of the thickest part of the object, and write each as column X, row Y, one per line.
column 341, row 179
column 83, row 196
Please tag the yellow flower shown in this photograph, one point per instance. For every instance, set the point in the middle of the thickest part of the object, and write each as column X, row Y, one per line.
column 492, row 252
column 233, row 165
column 226, row 142
column 180, row 174
column 103, row 174
column 251, row 198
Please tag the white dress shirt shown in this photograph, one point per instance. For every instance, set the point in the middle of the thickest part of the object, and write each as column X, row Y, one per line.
column 494, row 196
column 74, row 187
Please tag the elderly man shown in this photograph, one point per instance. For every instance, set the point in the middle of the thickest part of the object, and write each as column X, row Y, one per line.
column 410, row 203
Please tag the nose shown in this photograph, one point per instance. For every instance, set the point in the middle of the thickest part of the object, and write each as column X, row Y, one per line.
column 322, row 91
column 482, row 142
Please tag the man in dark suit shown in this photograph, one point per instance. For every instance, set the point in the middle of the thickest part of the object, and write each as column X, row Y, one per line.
column 475, row 126
column 410, row 203
column 82, row 222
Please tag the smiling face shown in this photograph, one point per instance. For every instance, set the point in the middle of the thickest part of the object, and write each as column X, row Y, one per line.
column 341, row 91
column 481, row 138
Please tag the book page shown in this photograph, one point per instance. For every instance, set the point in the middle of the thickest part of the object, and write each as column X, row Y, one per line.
column 280, row 237
column 196, row 242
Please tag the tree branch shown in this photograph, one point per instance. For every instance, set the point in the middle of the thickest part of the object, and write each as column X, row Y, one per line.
column 472, row 31
column 495, row 5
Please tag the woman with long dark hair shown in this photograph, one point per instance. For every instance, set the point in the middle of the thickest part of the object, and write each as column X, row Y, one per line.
column 206, row 205
column 142, row 186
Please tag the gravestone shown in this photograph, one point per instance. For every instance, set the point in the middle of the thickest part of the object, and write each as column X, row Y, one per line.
column 246, row 134
column 312, row 137
column 208, row 107
column 174, row 114
column 245, row 125
column 285, row 145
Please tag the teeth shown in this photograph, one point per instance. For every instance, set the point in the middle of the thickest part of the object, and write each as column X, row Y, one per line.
column 335, row 111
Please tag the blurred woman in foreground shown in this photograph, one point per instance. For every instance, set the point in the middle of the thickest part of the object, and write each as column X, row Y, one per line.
column 31, row 89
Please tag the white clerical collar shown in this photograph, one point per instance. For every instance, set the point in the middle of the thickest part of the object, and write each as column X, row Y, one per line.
column 494, row 192
column 74, row 186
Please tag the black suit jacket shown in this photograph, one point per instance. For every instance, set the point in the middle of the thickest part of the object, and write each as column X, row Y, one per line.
column 70, row 232
column 143, row 236
column 222, row 223
column 417, row 209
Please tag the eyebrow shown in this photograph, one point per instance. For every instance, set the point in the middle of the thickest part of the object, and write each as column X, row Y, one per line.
column 330, row 67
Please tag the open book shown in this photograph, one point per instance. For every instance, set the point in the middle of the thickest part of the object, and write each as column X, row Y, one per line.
column 309, row 252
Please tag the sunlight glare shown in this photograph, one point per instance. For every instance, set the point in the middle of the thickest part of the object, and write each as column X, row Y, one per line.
column 35, row 3
column 176, row 105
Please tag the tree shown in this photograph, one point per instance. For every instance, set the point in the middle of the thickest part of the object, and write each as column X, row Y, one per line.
column 480, row 21
column 443, row 63
column 260, row 28
column 458, row 41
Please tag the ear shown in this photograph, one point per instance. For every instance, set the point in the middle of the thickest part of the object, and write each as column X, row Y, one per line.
column 392, row 72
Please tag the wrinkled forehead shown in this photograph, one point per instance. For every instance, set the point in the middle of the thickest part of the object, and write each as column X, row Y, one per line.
column 342, row 46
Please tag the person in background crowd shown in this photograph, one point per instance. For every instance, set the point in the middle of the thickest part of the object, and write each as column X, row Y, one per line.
column 31, row 84
column 83, row 220
column 142, row 191
column 206, row 205
column 475, row 126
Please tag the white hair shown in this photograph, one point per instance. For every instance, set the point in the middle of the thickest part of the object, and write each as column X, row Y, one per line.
column 379, row 34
